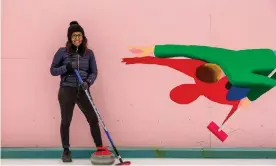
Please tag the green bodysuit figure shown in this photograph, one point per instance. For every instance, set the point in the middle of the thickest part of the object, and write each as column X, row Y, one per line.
column 248, row 68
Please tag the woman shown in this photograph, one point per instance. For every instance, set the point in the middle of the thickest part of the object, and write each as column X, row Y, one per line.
column 75, row 55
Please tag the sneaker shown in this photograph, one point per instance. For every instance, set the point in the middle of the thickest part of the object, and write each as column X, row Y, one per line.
column 66, row 156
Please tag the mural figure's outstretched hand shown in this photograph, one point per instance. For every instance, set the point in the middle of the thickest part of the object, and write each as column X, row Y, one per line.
column 244, row 68
column 244, row 103
column 142, row 51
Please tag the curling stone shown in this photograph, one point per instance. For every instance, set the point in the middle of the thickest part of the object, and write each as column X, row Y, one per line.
column 102, row 157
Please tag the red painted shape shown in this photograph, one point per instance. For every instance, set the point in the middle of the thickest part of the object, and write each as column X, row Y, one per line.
column 187, row 93
column 214, row 128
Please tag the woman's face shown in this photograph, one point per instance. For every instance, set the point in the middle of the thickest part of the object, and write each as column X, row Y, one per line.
column 77, row 38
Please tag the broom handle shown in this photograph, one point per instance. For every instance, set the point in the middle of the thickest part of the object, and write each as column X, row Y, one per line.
column 222, row 126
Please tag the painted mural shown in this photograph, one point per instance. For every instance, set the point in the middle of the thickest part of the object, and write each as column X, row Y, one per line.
column 230, row 77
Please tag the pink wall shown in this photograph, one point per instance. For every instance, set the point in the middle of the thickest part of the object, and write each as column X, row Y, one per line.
column 134, row 100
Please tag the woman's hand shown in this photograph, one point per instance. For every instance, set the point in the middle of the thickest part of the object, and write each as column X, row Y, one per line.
column 84, row 86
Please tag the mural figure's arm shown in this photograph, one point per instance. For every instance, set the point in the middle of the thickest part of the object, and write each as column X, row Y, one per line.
column 186, row 66
column 205, row 53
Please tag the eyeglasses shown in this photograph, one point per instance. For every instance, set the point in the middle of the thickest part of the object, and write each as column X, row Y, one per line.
column 75, row 36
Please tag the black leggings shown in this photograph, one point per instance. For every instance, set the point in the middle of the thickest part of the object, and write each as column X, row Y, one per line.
column 67, row 97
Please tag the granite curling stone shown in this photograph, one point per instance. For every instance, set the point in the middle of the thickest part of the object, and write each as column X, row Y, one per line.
column 102, row 157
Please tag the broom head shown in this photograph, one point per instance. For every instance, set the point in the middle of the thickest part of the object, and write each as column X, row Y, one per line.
column 214, row 128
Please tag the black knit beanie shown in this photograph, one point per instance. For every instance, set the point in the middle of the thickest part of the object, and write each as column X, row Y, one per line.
column 74, row 27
